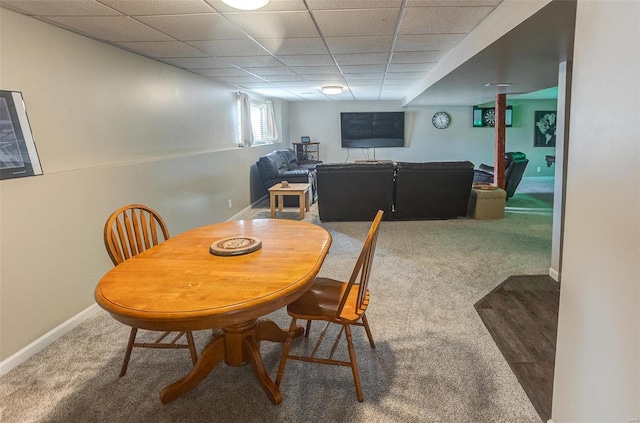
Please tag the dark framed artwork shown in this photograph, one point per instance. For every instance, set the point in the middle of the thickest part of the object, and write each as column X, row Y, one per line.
column 305, row 139
column 18, row 154
column 544, row 130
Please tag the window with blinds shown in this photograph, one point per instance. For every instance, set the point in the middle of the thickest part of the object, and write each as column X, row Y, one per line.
column 263, row 132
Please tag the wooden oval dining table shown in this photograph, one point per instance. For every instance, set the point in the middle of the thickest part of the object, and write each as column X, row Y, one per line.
column 179, row 285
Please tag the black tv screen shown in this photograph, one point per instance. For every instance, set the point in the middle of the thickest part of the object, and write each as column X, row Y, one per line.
column 372, row 129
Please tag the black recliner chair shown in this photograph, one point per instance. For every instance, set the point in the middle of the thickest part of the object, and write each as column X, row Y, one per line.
column 515, row 164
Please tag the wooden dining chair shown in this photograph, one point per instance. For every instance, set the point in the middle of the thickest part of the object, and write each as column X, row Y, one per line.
column 332, row 301
column 129, row 231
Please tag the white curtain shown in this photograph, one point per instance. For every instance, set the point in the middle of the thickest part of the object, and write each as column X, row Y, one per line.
column 246, row 132
column 271, row 121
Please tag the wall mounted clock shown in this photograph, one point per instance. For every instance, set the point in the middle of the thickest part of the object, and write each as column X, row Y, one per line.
column 441, row 120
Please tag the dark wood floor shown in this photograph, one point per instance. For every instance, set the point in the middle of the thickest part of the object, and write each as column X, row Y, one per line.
column 522, row 316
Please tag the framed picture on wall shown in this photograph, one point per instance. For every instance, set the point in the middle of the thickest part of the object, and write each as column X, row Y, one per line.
column 18, row 154
column 544, row 130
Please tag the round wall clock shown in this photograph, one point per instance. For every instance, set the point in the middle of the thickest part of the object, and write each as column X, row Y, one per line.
column 441, row 120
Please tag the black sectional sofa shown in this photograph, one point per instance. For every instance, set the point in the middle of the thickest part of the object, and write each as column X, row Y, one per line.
column 349, row 191
column 404, row 191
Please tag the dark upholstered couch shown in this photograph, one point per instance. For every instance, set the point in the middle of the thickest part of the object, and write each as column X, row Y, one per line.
column 437, row 190
column 348, row 191
column 282, row 165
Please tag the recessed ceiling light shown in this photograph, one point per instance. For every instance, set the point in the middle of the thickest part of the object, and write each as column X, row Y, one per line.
column 498, row 84
column 246, row 4
column 332, row 89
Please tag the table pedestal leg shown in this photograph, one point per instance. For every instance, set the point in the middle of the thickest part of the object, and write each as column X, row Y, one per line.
column 209, row 358
column 267, row 330
column 239, row 345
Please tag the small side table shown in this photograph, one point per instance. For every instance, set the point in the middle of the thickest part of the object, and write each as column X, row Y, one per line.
column 301, row 190
column 487, row 203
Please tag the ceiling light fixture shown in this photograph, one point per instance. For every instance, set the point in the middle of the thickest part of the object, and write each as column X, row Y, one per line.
column 332, row 89
column 498, row 84
column 246, row 4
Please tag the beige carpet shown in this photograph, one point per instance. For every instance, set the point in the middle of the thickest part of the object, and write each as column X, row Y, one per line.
column 434, row 361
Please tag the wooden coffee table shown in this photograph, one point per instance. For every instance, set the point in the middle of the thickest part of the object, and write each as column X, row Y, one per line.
column 301, row 190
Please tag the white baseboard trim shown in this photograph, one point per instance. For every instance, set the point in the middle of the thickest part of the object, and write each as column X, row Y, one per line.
column 45, row 340
column 554, row 274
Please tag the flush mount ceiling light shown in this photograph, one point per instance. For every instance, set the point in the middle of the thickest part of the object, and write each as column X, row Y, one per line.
column 498, row 84
column 246, row 4
column 332, row 89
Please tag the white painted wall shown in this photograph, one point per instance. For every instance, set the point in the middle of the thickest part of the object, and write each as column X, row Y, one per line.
column 597, row 374
column 460, row 141
column 111, row 128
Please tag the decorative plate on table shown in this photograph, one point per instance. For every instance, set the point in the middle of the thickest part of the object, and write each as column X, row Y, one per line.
column 484, row 186
column 235, row 245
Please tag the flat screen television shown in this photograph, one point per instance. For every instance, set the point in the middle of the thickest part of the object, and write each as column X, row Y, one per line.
column 372, row 129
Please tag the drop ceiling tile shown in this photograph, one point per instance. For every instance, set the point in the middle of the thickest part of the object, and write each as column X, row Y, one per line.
column 270, row 71
column 365, row 83
column 279, row 42
column 373, row 44
column 410, row 67
column 352, row 4
column 316, row 70
column 427, row 42
column 275, row 24
column 394, row 82
column 378, row 76
column 209, row 26
column 437, row 20
column 240, row 79
column 307, row 60
column 221, row 72
column 365, row 86
column 241, row 47
column 198, row 63
column 416, row 56
column 360, row 69
column 60, row 8
column 253, row 61
column 252, row 85
column 351, row 23
column 158, row 7
column 292, row 79
column 361, row 59
column 111, row 28
column 415, row 76
column 162, row 49
column 424, row 3
column 273, row 92
column 286, row 46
